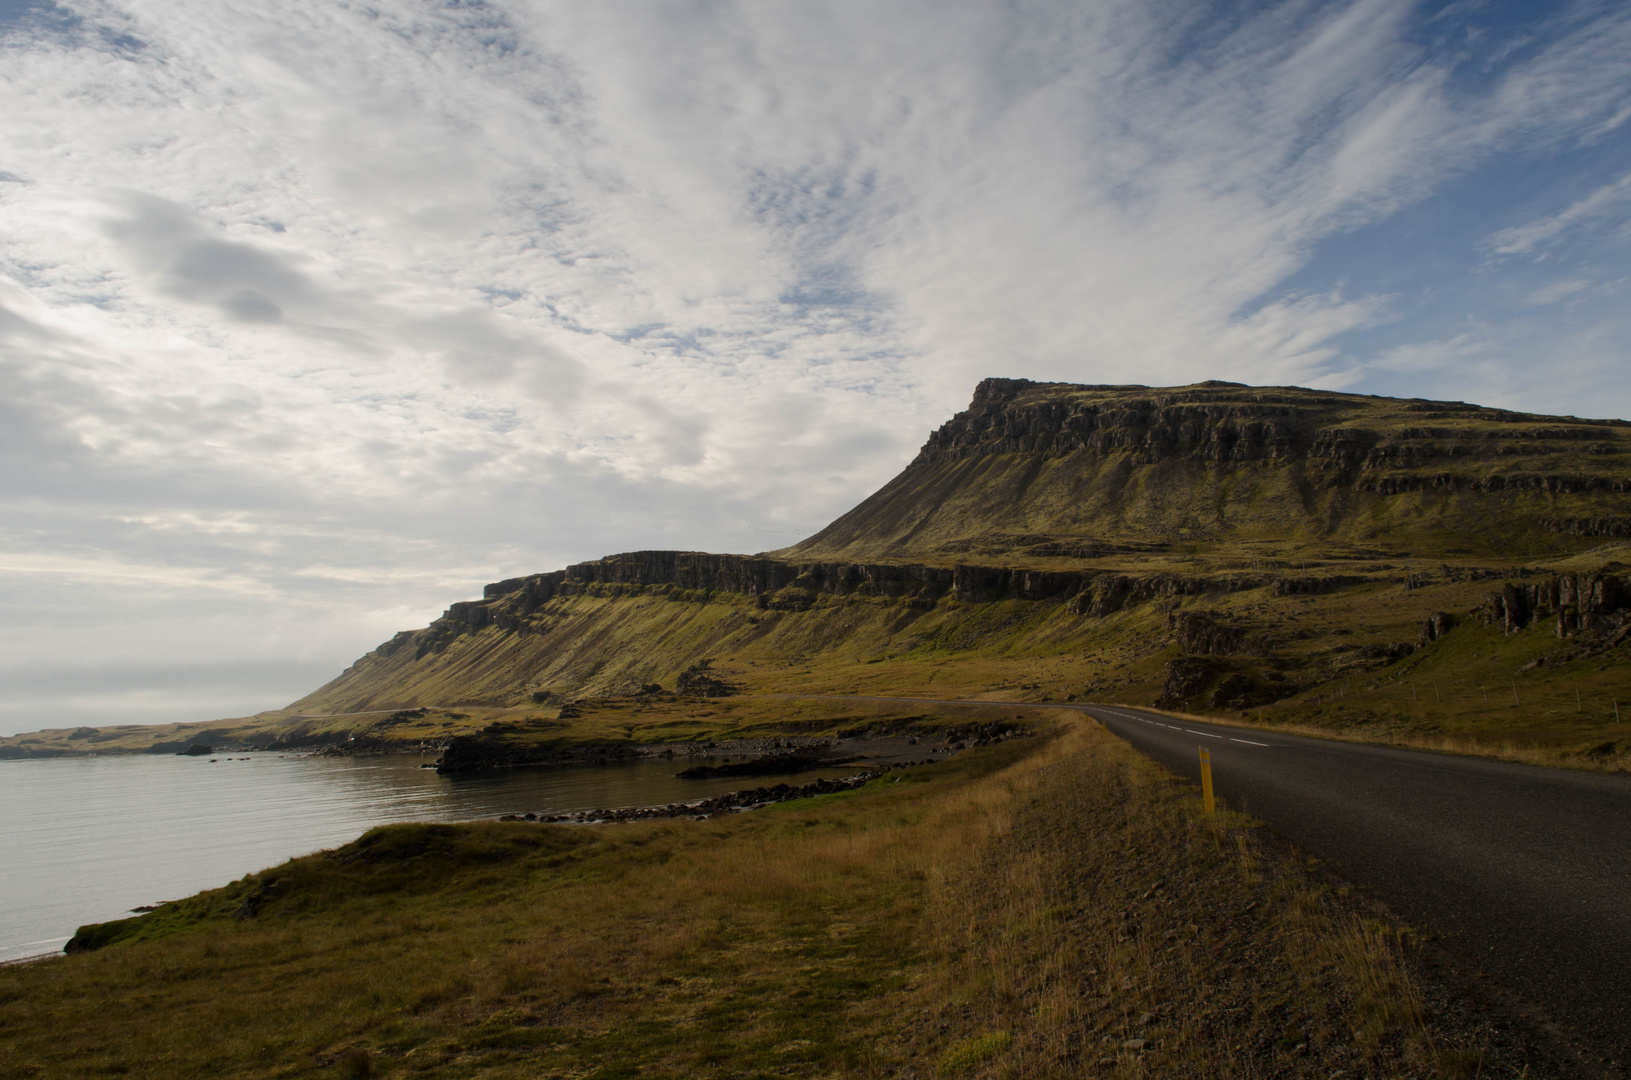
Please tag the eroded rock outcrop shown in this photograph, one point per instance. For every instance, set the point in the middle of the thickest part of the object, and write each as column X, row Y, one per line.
column 700, row 680
column 1436, row 626
column 1205, row 634
column 1578, row 602
column 1618, row 527
column 1310, row 586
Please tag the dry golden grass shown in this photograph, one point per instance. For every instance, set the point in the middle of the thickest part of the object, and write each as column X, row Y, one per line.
column 1108, row 909
column 1022, row 910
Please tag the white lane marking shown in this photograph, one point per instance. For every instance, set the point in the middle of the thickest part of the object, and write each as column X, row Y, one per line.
column 1175, row 727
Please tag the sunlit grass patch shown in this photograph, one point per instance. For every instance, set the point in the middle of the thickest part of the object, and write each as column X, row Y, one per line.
column 975, row 1050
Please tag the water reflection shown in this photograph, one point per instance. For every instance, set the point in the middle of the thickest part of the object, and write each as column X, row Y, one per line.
column 87, row 839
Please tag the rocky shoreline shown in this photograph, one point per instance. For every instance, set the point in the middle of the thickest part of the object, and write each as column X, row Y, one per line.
column 482, row 752
column 956, row 739
column 730, row 802
column 775, row 764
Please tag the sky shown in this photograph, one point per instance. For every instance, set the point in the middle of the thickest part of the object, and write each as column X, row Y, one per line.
column 314, row 317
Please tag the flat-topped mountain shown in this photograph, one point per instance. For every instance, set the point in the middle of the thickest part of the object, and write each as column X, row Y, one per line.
column 1214, row 546
column 1055, row 469
column 1045, row 521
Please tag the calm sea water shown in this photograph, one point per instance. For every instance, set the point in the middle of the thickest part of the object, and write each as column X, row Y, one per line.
column 86, row 839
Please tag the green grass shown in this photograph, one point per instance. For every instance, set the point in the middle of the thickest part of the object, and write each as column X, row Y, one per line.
column 967, row 1053
column 969, row 918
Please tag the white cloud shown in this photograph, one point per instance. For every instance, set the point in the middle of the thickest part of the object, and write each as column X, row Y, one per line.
column 1609, row 200
column 1561, row 290
column 1529, row 364
column 335, row 307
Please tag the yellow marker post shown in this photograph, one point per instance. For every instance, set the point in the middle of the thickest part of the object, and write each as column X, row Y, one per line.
column 1206, row 781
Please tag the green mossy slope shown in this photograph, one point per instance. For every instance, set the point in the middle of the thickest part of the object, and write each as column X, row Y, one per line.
column 1051, row 469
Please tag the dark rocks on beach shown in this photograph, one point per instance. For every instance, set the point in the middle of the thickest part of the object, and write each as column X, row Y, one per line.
column 769, row 765
column 959, row 736
column 480, row 752
column 726, row 803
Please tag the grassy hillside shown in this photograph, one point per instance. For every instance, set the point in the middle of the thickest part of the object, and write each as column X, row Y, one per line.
column 1052, row 906
column 1399, row 570
column 1350, row 660
column 1054, row 471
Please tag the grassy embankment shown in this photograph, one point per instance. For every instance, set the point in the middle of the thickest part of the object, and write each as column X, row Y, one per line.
column 1021, row 910
column 1527, row 696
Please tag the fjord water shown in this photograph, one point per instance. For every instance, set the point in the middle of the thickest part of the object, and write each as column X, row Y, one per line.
column 87, row 839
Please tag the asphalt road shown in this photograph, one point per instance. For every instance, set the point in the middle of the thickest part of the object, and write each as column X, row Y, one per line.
column 1521, row 873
